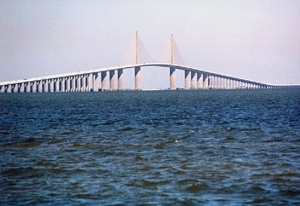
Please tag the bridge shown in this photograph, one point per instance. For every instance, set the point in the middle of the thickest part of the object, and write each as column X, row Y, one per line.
column 136, row 58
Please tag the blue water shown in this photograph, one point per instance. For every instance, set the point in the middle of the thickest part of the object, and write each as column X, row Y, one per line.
column 154, row 148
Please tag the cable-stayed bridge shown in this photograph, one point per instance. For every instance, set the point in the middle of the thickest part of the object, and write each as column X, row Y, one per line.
column 137, row 57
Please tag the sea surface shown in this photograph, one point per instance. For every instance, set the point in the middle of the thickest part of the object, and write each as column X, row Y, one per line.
column 213, row 147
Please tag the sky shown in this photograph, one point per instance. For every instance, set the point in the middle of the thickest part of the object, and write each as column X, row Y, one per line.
column 257, row 40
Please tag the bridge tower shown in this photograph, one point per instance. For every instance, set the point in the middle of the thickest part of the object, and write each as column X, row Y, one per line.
column 137, row 70
column 135, row 55
column 171, row 55
column 172, row 69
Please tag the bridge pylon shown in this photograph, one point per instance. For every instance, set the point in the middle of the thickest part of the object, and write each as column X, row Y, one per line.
column 172, row 69
column 136, row 54
column 171, row 55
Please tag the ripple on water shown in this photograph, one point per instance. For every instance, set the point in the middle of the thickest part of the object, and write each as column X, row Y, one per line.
column 160, row 148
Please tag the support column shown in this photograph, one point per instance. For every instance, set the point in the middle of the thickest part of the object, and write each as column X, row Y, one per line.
column 211, row 81
column 19, row 86
column 83, row 83
column 71, row 83
column 58, row 85
column 226, row 83
column 25, row 87
column 95, row 82
column 172, row 78
column 221, row 85
column 193, row 80
column 12, row 88
column 120, row 79
column 61, row 85
column 37, row 86
column 43, row 85
column 6, row 88
column 217, row 82
column 67, row 84
column 87, row 82
column 199, row 80
column 187, row 79
column 74, row 84
column 137, row 80
column 205, row 81
column 77, row 83
column 64, row 84
column 104, row 80
column 31, row 87
column 49, row 85
column 54, row 85
column 81, row 79
column 112, row 80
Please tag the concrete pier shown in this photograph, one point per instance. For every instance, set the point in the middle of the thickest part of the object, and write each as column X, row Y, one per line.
column 137, row 79
column 37, row 86
column 205, row 81
column 49, row 85
column 103, row 81
column 82, row 77
column 43, row 86
column 172, row 78
column 112, row 80
column 83, row 89
column 76, row 85
column 199, row 80
column 193, row 80
column 95, row 82
column 120, row 79
column 187, row 79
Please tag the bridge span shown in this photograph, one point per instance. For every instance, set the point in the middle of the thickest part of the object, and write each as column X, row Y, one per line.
column 111, row 78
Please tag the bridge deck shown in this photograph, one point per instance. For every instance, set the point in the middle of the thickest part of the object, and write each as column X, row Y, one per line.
column 37, row 80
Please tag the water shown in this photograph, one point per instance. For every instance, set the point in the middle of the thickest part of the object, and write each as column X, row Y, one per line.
column 154, row 148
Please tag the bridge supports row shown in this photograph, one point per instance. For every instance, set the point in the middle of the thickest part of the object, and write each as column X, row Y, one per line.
column 77, row 83
column 200, row 80
column 89, row 82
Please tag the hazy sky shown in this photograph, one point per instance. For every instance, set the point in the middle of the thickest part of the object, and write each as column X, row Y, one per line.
column 253, row 39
